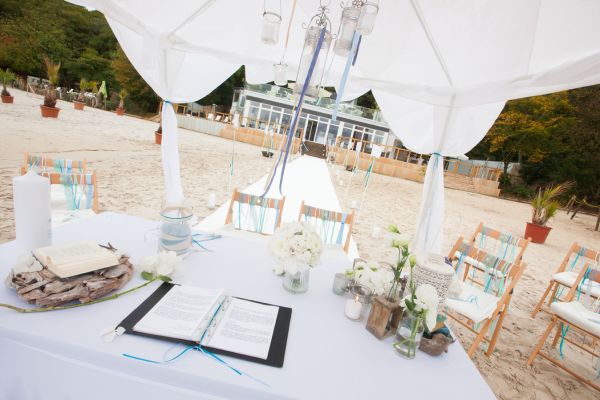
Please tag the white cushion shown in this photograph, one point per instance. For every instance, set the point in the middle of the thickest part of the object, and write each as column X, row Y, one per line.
column 473, row 303
column 568, row 278
column 575, row 313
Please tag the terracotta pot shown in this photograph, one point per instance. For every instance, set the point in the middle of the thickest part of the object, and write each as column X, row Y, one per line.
column 49, row 112
column 78, row 105
column 157, row 138
column 537, row 233
column 7, row 99
column 120, row 111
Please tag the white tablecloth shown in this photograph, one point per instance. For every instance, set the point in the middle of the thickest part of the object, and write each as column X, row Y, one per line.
column 60, row 355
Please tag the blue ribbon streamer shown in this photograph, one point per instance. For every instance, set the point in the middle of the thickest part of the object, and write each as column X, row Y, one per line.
column 198, row 238
column 296, row 115
column 349, row 62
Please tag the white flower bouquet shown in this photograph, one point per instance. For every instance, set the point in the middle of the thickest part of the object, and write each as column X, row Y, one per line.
column 372, row 275
column 296, row 247
column 423, row 302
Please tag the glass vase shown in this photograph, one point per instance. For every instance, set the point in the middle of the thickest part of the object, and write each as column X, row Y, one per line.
column 296, row 283
column 408, row 335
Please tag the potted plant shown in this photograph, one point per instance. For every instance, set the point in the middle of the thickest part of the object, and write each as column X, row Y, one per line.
column 121, row 108
column 544, row 205
column 158, row 134
column 79, row 104
column 49, row 109
column 7, row 77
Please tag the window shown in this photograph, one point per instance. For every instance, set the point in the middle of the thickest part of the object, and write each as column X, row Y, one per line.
column 332, row 134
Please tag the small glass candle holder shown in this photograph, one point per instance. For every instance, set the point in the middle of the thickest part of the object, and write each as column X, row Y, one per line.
column 341, row 284
column 358, row 303
column 175, row 232
column 366, row 20
column 280, row 72
column 270, row 27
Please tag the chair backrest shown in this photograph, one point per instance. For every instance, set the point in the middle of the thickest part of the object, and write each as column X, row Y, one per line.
column 42, row 163
column 497, row 273
column 81, row 189
column 588, row 275
column 506, row 246
column 577, row 257
column 254, row 213
column 334, row 227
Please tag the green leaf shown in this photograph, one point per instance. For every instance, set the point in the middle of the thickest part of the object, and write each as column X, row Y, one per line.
column 164, row 278
column 147, row 275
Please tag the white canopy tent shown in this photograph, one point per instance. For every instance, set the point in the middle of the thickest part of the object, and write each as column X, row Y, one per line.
column 441, row 71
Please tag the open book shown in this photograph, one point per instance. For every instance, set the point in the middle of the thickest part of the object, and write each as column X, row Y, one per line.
column 75, row 258
column 208, row 317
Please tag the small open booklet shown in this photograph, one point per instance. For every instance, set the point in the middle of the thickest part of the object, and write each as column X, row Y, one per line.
column 228, row 325
column 75, row 258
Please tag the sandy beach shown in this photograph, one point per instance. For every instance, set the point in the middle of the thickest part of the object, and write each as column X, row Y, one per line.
column 128, row 164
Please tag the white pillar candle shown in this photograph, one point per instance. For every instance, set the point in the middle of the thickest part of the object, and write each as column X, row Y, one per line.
column 353, row 308
column 33, row 225
column 212, row 200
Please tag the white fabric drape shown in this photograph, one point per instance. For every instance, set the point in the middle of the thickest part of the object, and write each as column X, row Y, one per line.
column 425, row 60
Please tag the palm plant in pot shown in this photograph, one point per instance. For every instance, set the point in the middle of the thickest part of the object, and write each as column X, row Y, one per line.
column 79, row 104
column 6, row 76
column 545, row 204
column 49, row 108
column 121, row 108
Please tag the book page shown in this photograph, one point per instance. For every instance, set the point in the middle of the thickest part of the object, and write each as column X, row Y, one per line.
column 246, row 328
column 75, row 258
column 181, row 313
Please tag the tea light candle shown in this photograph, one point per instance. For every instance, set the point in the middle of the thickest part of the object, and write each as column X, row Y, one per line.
column 376, row 232
column 212, row 200
column 353, row 308
column 340, row 284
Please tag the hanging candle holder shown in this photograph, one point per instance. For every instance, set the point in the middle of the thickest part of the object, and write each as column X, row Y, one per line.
column 271, row 22
column 311, row 38
column 280, row 72
column 366, row 20
column 348, row 24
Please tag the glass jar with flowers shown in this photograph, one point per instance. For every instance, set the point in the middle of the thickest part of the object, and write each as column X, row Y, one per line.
column 297, row 249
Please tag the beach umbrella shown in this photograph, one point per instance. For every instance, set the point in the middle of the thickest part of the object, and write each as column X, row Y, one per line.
column 441, row 71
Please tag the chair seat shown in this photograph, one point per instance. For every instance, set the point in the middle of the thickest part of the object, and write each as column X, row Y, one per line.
column 568, row 278
column 473, row 303
column 575, row 313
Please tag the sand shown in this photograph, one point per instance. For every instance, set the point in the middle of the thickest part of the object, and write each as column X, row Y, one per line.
column 127, row 162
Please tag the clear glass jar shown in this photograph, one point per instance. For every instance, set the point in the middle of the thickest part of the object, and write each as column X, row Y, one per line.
column 280, row 72
column 348, row 24
column 366, row 20
column 271, row 22
column 409, row 334
column 310, row 44
column 296, row 283
column 175, row 233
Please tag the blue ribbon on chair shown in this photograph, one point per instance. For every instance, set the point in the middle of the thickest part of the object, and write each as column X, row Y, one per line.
column 341, row 232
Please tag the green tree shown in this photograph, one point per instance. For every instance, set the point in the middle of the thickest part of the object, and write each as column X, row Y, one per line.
column 128, row 78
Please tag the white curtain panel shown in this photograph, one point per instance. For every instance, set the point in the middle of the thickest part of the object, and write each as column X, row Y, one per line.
column 440, row 70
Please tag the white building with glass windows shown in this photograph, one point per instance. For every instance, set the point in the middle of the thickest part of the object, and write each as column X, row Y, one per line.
column 270, row 107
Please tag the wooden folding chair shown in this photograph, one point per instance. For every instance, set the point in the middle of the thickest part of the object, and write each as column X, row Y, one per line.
column 566, row 275
column 43, row 163
column 571, row 315
column 77, row 180
column 508, row 248
column 477, row 310
column 253, row 212
column 330, row 225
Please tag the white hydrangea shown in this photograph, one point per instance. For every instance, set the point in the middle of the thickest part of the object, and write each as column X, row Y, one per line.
column 296, row 247
column 372, row 275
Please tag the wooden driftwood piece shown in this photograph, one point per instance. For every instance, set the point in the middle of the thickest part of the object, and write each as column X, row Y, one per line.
column 44, row 289
column 384, row 317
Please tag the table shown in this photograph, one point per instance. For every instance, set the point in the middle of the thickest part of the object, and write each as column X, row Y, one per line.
column 60, row 355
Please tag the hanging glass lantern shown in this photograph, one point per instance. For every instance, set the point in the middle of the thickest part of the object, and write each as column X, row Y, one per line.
column 348, row 24
column 311, row 38
column 271, row 22
column 280, row 72
column 366, row 20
